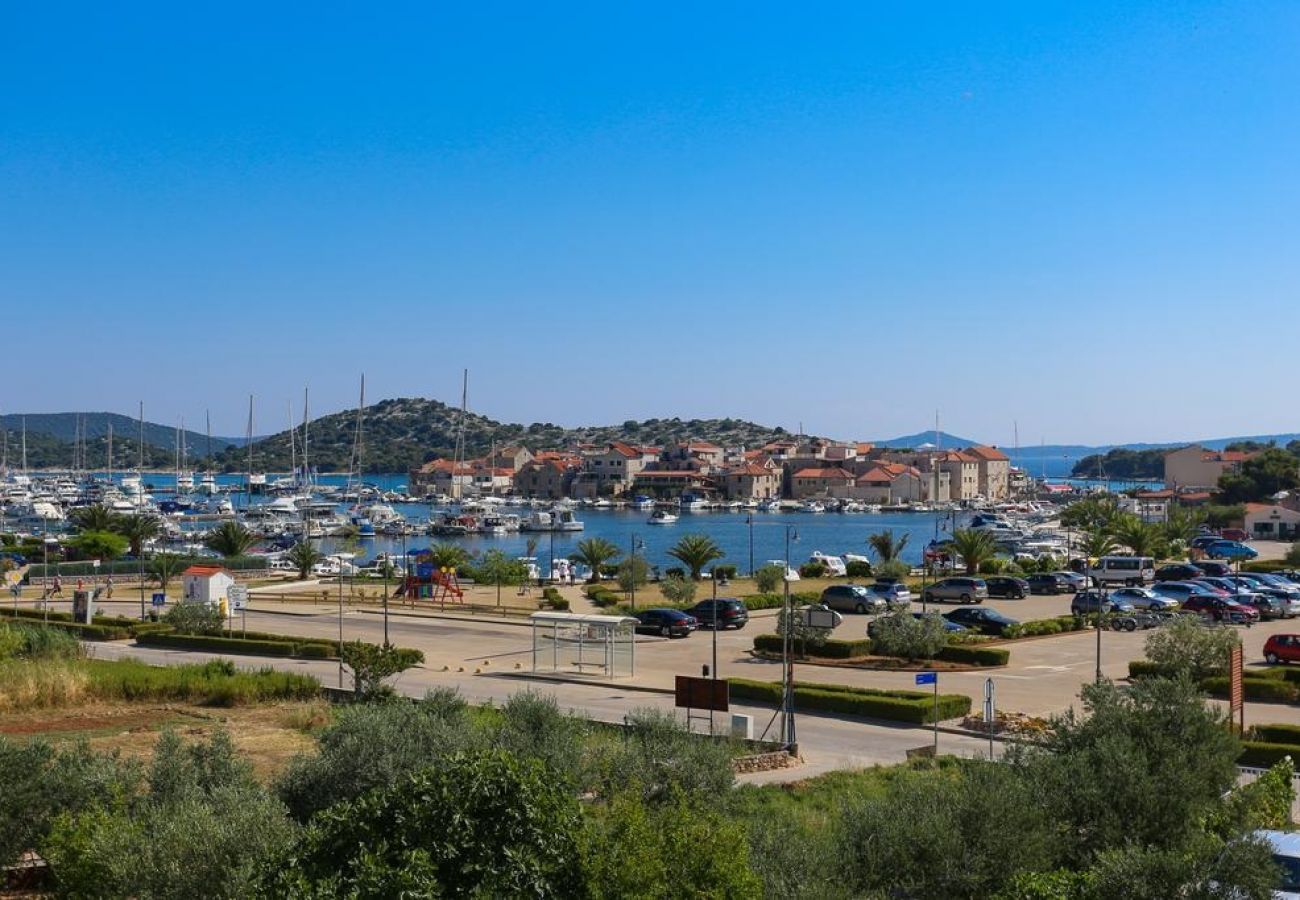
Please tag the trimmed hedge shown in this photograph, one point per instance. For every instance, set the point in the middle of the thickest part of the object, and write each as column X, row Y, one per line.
column 252, row 646
column 1278, row 733
column 1039, row 627
column 831, row 649
column 1268, row 690
column 1264, row 754
column 132, row 567
column 974, row 655
column 762, row 601
column 1145, row 668
column 914, row 707
column 1266, row 565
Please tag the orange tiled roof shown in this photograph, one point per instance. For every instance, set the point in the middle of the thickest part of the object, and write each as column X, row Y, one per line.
column 203, row 571
column 987, row 453
column 832, row 472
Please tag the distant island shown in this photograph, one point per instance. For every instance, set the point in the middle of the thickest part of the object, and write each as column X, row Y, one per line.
column 1122, row 464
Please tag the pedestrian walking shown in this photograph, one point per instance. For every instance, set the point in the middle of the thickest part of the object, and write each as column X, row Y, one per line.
column 58, row 587
column 108, row 585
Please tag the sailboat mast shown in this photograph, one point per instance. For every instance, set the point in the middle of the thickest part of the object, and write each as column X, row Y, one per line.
column 110, row 452
column 459, row 458
column 354, row 464
column 306, row 466
column 293, row 446
column 248, row 435
column 24, row 446
column 139, row 460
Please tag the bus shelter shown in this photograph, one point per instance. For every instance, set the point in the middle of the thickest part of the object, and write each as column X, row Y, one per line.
column 603, row 646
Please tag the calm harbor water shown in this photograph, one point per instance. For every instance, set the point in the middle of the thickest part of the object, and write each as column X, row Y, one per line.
column 831, row 533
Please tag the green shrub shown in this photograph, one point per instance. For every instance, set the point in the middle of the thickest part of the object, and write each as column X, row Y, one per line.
column 726, row 573
column 1144, row 668
column 803, row 598
column 858, row 568
column 1263, row 754
column 674, row 572
column 1267, row 690
column 812, row 570
column 975, row 656
column 829, row 649
column 768, row 578
column 763, row 601
column 916, row 707
column 1277, row 734
column 214, row 683
column 549, row 594
column 195, row 618
column 894, row 568
column 910, row 637
column 256, row 646
column 677, row 590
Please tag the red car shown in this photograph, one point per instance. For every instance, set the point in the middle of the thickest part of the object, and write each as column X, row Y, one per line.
column 1282, row 648
column 1221, row 609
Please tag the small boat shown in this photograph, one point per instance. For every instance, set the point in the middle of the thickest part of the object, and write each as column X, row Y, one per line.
column 661, row 517
column 641, row 501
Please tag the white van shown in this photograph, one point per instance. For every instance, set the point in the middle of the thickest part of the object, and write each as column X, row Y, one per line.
column 835, row 566
column 1130, row 571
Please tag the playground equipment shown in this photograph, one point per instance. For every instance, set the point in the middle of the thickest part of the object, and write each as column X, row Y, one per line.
column 425, row 581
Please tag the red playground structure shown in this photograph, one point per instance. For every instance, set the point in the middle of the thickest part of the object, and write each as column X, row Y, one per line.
column 426, row 582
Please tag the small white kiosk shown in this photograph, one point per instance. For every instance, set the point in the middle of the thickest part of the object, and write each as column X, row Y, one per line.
column 603, row 646
column 206, row 584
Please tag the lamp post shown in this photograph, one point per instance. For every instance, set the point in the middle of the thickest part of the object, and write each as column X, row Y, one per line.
column 787, row 669
column 45, row 594
column 749, row 520
column 635, row 543
column 340, row 626
column 714, row 668
column 388, row 565
column 1103, row 600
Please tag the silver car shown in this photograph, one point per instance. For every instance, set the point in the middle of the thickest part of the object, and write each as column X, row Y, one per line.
column 1144, row 598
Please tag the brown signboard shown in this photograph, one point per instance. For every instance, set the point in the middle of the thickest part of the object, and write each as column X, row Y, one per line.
column 702, row 693
column 1236, row 695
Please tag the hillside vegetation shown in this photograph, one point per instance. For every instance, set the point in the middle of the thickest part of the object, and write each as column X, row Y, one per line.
column 401, row 433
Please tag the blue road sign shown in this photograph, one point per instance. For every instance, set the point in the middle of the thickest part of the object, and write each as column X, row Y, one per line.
column 159, row 599
column 927, row 677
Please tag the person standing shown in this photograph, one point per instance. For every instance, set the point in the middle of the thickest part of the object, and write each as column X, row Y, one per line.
column 58, row 586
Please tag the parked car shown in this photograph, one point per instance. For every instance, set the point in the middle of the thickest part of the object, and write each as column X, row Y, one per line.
column 1008, row 587
column 1285, row 847
column 1233, row 534
column 963, row 590
column 1267, row 606
column 981, row 619
column 1282, row 648
column 1127, row 570
column 728, row 612
column 1145, row 598
column 1182, row 591
column 1265, row 581
column 1088, row 602
column 853, row 598
column 665, row 622
column 1230, row 550
column 1212, row 567
column 1048, row 583
column 1077, row 581
column 1222, row 609
column 1178, row 572
column 894, row 593
column 1201, row 541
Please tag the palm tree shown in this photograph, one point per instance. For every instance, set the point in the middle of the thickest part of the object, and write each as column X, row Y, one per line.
column 1096, row 544
column 1180, row 527
column 974, row 547
column 595, row 552
column 303, row 556
column 94, row 518
column 1141, row 538
column 230, row 539
column 138, row 528
column 695, row 551
column 1091, row 514
column 165, row 567
column 886, row 547
column 448, row 556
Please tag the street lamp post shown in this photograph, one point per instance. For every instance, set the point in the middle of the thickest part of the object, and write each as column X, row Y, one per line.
column 1101, row 608
column 787, row 670
column 635, row 543
column 749, row 520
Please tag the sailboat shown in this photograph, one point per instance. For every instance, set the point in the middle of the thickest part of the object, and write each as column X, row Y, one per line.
column 184, row 477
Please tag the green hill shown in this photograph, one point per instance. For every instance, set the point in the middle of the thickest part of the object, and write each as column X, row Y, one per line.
column 401, row 433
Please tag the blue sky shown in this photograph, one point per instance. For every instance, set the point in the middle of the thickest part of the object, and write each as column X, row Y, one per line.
column 1078, row 217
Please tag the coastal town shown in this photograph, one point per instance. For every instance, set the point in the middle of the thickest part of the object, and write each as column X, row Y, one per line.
column 649, row 452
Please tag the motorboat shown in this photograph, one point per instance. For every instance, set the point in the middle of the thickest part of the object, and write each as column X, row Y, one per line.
column 641, row 501
column 661, row 517
column 834, row 565
column 693, row 503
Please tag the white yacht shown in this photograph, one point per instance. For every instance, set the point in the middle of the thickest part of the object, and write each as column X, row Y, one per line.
column 661, row 517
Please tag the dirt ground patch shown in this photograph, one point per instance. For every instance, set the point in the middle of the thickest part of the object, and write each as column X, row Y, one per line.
column 268, row 735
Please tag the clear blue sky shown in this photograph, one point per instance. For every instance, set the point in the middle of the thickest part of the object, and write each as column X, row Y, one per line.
column 1084, row 217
